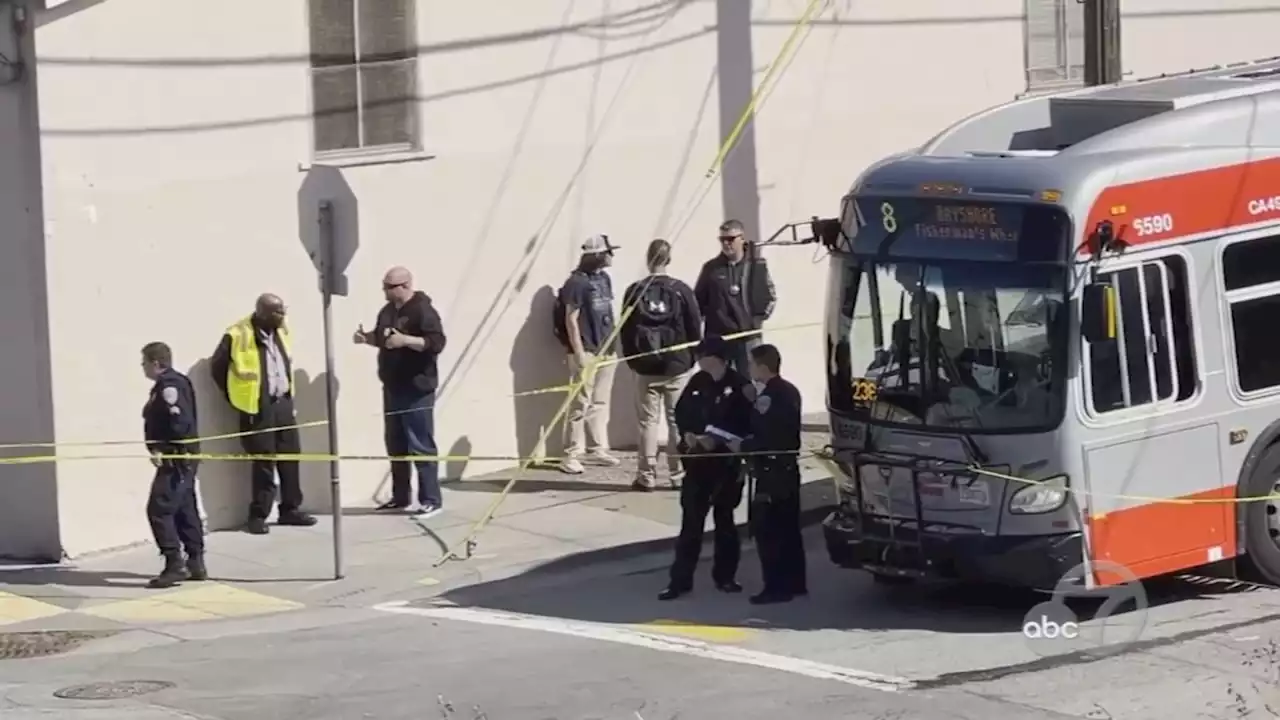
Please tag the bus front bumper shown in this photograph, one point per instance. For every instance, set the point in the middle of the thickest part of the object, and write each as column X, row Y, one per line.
column 1031, row 561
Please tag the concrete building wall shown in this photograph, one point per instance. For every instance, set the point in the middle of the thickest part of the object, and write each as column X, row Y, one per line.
column 176, row 138
column 29, row 520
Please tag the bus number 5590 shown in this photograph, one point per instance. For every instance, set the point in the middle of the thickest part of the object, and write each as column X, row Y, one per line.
column 1153, row 224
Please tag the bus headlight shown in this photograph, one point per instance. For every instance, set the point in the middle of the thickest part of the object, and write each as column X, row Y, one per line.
column 1041, row 497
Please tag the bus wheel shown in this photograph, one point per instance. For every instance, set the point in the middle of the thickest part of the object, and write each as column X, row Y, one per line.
column 1262, row 517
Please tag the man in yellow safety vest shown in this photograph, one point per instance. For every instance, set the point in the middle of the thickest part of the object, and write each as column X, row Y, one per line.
column 253, row 368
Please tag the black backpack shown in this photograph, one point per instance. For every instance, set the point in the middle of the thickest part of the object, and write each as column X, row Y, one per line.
column 654, row 325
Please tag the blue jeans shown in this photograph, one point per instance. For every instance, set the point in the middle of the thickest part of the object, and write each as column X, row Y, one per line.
column 409, row 423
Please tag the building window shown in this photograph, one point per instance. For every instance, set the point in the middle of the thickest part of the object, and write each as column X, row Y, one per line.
column 364, row 75
column 1053, row 33
column 1152, row 359
column 1251, row 279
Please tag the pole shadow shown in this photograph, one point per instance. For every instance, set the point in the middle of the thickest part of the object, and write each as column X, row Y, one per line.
column 311, row 404
column 537, row 362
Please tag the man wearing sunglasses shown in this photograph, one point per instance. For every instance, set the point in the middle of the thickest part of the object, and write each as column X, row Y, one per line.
column 735, row 293
column 253, row 367
column 409, row 336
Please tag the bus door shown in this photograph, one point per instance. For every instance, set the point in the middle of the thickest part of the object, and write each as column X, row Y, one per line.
column 1142, row 445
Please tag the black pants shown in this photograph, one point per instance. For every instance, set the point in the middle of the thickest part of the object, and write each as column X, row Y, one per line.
column 715, row 486
column 740, row 353
column 277, row 414
column 780, row 544
column 172, row 511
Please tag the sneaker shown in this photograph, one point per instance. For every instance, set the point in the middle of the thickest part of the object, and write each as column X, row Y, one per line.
column 257, row 526
column 571, row 466
column 393, row 507
column 676, row 479
column 603, row 459
column 642, row 484
column 426, row 511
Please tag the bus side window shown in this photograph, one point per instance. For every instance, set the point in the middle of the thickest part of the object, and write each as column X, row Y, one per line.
column 1251, row 278
column 1153, row 357
column 1184, row 346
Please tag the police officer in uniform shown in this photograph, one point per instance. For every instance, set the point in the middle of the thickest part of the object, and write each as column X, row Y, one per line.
column 715, row 397
column 775, row 440
column 171, row 426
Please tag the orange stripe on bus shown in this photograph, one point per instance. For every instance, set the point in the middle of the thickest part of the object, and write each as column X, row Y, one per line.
column 1161, row 538
column 1198, row 202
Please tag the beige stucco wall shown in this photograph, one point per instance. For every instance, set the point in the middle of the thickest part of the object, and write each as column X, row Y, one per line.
column 173, row 132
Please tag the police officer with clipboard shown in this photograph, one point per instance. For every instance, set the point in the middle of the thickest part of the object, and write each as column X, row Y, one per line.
column 773, row 448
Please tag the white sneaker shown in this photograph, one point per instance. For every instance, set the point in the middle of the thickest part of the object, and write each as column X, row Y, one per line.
column 603, row 459
column 571, row 466
column 425, row 511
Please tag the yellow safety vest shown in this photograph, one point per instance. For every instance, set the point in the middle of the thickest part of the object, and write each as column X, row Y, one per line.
column 244, row 372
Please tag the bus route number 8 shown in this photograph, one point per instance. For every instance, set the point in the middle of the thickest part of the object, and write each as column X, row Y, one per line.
column 887, row 218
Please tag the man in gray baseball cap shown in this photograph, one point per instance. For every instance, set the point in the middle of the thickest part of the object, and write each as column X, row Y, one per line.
column 583, row 323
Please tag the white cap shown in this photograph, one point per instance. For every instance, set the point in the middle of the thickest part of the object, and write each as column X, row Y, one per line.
column 598, row 244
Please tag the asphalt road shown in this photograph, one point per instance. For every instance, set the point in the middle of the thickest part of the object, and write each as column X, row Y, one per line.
column 597, row 644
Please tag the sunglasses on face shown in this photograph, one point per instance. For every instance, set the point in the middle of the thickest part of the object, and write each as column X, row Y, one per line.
column 396, row 286
column 729, row 238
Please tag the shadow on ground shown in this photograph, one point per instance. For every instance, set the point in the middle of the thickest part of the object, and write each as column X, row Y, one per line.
column 839, row 599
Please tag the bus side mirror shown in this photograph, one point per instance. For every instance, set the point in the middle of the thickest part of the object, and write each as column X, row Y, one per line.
column 1098, row 312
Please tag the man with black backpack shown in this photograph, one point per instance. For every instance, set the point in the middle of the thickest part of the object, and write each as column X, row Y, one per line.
column 664, row 315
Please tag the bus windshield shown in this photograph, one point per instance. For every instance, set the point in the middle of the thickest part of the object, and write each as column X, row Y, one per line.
column 947, row 344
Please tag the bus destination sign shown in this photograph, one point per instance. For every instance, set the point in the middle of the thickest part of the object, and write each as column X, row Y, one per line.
column 965, row 222
column 924, row 227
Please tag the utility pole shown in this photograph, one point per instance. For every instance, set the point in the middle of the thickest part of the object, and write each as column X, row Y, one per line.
column 1101, row 41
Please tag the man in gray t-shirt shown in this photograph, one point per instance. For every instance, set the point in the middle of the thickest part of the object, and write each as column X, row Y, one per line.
column 586, row 304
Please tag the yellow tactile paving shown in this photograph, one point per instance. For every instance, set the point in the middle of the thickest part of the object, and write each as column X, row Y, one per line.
column 16, row 609
column 206, row 601
column 707, row 633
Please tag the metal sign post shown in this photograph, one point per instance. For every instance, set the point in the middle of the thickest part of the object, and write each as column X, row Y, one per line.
column 328, row 280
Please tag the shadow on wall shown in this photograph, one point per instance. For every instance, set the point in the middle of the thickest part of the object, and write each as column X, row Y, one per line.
column 224, row 484
column 538, row 361
column 311, row 405
column 624, row 432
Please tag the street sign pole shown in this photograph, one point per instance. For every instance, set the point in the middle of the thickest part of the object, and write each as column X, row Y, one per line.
column 328, row 279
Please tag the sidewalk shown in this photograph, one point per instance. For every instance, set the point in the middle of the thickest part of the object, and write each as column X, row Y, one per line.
column 547, row 518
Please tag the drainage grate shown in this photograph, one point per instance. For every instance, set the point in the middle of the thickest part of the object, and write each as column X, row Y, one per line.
column 16, row 646
column 112, row 690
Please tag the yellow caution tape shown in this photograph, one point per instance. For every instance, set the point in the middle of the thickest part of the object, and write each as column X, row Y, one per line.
column 326, row 457
column 797, row 30
column 549, row 390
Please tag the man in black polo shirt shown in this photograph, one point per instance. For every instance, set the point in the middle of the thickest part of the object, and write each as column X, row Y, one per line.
column 735, row 293
column 583, row 323
column 410, row 337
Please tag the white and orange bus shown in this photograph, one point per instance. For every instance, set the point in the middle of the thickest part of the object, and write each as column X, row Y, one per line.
column 1053, row 338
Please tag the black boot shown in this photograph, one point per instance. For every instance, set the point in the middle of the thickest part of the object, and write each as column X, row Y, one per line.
column 174, row 573
column 196, row 569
